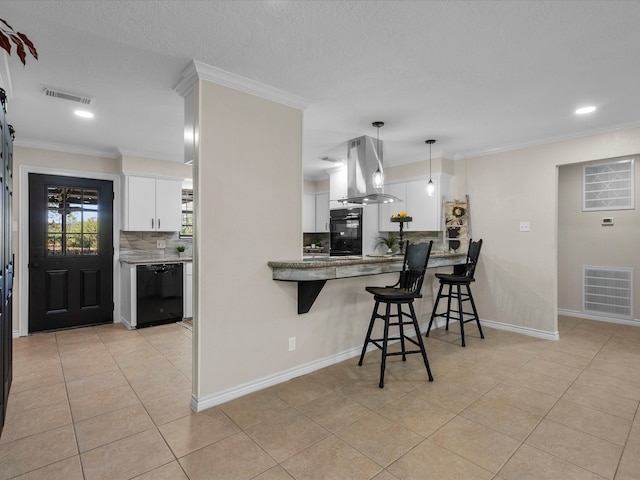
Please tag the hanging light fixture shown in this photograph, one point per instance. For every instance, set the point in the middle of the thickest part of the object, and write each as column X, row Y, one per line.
column 378, row 175
column 431, row 187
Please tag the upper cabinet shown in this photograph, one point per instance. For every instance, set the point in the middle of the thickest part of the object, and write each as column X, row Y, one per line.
column 315, row 213
column 337, row 187
column 151, row 204
column 425, row 210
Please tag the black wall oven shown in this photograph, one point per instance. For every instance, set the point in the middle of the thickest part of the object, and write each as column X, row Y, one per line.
column 346, row 232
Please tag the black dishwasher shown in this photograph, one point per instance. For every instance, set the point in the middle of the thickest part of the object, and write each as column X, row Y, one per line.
column 159, row 294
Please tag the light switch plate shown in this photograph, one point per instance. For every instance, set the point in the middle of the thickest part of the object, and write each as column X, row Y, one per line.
column 525, row 226
column 161, row 244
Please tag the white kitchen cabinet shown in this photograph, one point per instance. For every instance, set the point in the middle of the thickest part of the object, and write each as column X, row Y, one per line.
column 308, row 212
column 151, row 204
column 337, row 187
column 425, row 210
column 322, row 212
column 188, row 290
column 315, row 212
column 385, row 210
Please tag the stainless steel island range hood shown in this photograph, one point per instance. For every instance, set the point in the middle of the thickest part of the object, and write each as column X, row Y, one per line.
column 364, row 159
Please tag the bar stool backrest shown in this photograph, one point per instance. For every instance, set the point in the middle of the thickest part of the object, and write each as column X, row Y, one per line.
column 472, row 258
column 416, row 258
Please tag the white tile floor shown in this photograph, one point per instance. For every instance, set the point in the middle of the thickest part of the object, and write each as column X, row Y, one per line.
column 108, row 403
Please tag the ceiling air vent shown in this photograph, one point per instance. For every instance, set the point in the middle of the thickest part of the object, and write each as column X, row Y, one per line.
column 74, row 97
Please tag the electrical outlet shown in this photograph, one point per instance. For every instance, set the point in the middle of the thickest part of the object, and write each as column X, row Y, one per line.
column 292, row 344
column 525, row 226
column 161, row 244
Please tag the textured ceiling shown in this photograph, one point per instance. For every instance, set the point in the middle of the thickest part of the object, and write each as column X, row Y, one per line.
column 477, row 76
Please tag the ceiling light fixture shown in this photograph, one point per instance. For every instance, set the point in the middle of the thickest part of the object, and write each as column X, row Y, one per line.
column 431, row 187
column 583, row 110
column 83, row 114
column 378, row 175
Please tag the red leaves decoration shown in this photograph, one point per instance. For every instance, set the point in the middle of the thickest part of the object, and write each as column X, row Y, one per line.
column 8, row 35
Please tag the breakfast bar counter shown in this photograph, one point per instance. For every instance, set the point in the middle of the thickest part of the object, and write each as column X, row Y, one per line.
column 312, row 273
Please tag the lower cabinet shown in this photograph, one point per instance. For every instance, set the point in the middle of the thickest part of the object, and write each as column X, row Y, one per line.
column 188, row 290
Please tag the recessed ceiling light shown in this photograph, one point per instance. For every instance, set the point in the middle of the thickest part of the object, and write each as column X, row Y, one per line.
column 83, row 114
column 583, row 110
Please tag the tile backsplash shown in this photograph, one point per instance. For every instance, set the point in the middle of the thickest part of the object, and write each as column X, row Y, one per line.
column 132, row 243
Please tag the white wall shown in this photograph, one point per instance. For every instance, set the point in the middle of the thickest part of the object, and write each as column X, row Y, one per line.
column 517, row 275
column 582, row 240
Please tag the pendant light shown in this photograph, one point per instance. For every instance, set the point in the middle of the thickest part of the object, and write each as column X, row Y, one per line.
column 431, row 187
column 378, row 175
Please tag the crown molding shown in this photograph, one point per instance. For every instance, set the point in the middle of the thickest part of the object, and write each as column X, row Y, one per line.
column 59, row 147
column 201, row 71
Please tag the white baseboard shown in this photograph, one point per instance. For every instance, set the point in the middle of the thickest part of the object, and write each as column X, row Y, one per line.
column 199, row 404
column 531, row 332
column 16, row 334
column 587, row 316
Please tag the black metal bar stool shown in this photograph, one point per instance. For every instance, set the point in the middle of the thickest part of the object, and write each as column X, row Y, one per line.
column 460, row 278
column 402, row 293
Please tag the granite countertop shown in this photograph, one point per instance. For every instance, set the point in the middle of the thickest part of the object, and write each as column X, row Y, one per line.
column 323, row 268
column 146, row 259
column 327, row 261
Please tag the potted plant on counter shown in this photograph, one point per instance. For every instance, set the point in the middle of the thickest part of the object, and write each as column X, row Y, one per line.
column 181, row 251
column 389, row 241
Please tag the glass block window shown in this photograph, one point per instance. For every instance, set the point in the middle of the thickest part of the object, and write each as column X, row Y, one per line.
column 186, row 228
column 608, row 186
column 72, row 221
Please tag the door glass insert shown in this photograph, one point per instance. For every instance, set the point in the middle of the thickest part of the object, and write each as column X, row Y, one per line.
column 72, row 221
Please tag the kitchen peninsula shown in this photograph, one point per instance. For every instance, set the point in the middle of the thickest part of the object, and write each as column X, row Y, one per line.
column 312, row 273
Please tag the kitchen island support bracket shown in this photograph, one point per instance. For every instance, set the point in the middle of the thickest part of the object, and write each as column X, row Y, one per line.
column 307, row 294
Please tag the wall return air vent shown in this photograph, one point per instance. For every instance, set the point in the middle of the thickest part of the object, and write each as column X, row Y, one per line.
column 608, row 291
column 73, row 97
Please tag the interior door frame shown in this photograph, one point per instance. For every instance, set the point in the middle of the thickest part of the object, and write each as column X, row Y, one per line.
column 23, row 243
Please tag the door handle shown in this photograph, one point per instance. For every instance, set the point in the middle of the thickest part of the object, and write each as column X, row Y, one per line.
column 158, row 223
column 152, row 223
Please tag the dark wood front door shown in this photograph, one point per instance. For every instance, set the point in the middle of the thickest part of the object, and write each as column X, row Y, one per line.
column 70, row 252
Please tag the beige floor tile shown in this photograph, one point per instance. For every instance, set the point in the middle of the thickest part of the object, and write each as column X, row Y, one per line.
column 523, row 398
column 330, row 458
column 600, row 424
column 429, row 460
column 159, row 387
column 552, row 369
column 169, row 407
column 581, row 449
column 275, row 473
column 95, row 383
column 416, row 413
column 477, row 443
column 633, row 442
column 193, row 432
column 607, row 383
column 30, row 453
column 469, row 379
column 564, row 358
column 299, row 391
column 448, row 395
column 68, row 469
column 380, row 439
column 101, row 402
column 109, row 427
column 371, row 395
column 126, row 458
column 36, row 420
column 234, row 458
column 629, row 468
column 47, row 375
column 254, row 408
column 334, row 411
column 286, row 434
column 502, row 417
column 615, row 370
column 539, row 382
column 619, row 354
column 601, row 399
column 170, row 471
column 385, row 475
column 36, row 397
column 529, row 463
